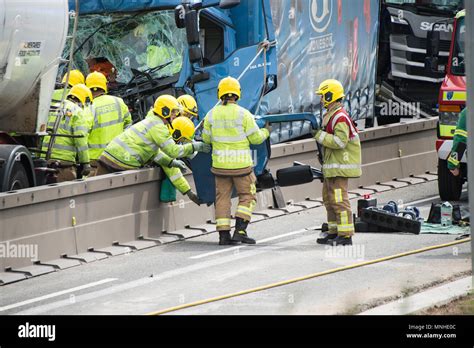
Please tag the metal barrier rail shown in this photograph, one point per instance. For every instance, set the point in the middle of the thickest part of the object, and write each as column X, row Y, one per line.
column 82, row 221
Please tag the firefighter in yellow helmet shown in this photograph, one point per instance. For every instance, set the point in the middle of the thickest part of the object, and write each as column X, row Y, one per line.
column 70, row 142
column 108, row 117
column 190, row 108
column 341, row 161
column 182, row 131
column 75, row 77
column 231, row 130
column 142, row 143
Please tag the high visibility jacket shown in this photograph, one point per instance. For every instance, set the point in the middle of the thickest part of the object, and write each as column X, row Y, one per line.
column 73, row 122
column 174, row 174
column 57, row 95
column 155, row 56
column 109, row 117
column 139, row 144
column 459, row 142
column 231, row 130
column 341, row 145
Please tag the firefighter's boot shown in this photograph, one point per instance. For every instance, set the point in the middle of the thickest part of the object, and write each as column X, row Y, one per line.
column 225, row 238
column 326, row 238
column 240, row 234
column 340, row 240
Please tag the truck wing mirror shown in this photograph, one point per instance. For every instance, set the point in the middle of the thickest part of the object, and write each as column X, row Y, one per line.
column 227, row 4
column 195, row 54
column 432, row 51
column 434, row 39
column 192, row 29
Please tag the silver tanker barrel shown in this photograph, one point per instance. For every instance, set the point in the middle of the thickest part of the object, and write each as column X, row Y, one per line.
column 32, row 39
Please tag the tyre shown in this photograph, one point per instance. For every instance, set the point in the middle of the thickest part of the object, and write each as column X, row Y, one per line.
column 449, row 186
column 18, row 178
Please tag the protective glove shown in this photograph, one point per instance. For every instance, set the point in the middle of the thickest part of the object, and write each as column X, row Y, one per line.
column 318, row 127
column 86, row 169
column 268, row 127
column 260, row 121
column 193, row 197
column 176, row 163
column 201, row 147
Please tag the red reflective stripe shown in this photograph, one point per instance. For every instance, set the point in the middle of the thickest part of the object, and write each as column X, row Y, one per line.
column 342, row 116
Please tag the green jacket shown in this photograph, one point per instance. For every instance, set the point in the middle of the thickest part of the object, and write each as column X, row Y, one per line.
column 459, row 142
column 341, row 145
column 73, row 122
column 109, row 117
column 139, row 144
column 231, row 130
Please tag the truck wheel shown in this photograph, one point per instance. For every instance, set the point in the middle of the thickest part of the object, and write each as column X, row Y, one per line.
column 449, row 186
column 18, row 178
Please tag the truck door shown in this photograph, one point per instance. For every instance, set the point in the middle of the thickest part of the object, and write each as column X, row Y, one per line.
column 230, row 42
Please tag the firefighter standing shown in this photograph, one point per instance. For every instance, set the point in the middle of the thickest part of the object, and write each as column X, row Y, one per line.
column 144, row 141
column 459, row 145
column 109, row 116
column 74, row 130
column 342, row 160
column 231, row 129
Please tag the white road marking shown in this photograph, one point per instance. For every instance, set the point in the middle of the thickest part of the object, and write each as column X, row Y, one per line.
column 258, row 242
column 158, row 277
column 56, row 294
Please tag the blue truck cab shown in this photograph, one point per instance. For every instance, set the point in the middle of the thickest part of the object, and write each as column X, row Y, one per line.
column 204, row 42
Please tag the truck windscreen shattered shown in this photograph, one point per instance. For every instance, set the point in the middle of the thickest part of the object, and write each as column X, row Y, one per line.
column 119, row 45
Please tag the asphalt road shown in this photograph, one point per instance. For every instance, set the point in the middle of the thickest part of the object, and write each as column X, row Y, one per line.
column 197, row 269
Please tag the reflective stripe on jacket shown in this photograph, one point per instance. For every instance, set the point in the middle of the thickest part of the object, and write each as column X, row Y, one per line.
column 459, row 142
column 109, row 117
column 341, row 145
column 231, row 130
column 139, row 144
column 73, row 122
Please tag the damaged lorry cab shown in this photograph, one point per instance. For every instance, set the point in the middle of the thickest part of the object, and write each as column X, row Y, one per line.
column 152, row 47
column 179, row 48
column 146, row 48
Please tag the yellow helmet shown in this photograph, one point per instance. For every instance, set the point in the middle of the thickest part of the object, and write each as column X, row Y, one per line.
column 75, row 78
column 81, row 92
column 331, row 90
column 97, row 80
column 189, row 104
column 165, row 105
column 183, row 128
column 228, row 85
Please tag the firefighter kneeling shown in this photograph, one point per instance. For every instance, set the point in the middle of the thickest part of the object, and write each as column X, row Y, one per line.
column 341, row 161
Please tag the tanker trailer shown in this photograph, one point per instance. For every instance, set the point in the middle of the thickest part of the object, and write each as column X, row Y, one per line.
column 32, row 39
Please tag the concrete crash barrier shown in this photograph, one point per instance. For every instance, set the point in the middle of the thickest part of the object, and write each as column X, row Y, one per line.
column 62, row 220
